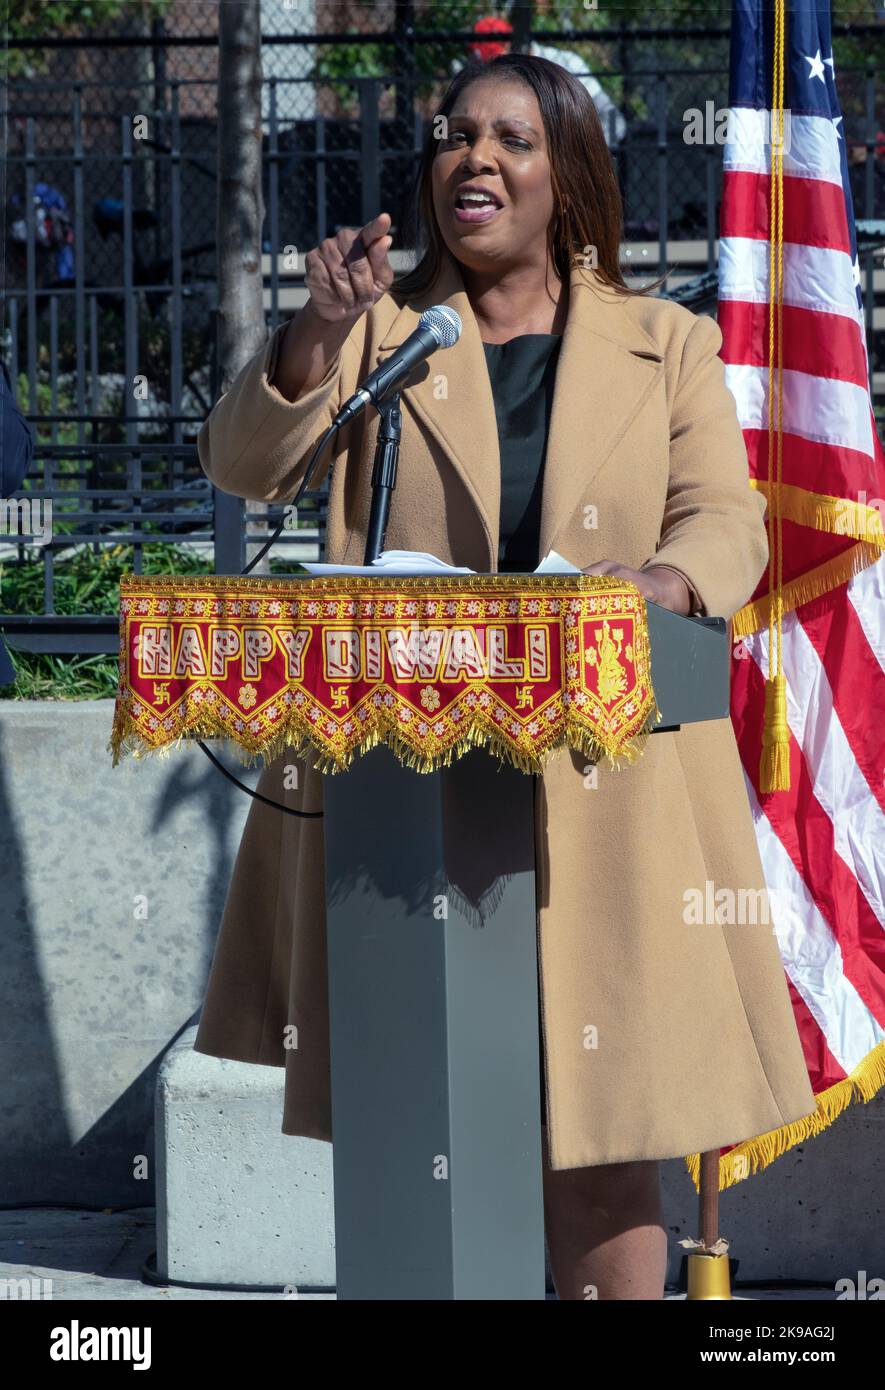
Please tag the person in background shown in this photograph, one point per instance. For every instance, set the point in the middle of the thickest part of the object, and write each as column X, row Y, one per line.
column 16, row 452
column 613, row 124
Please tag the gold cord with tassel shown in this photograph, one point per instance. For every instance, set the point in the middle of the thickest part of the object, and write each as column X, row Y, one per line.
column 774, row 764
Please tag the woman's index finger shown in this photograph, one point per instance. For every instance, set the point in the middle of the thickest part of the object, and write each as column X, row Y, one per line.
column 378, row 227
column 365, row 239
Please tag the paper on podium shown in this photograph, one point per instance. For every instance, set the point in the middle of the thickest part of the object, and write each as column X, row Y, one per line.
column 420, row 562
column 554, row 563
column 391, row 562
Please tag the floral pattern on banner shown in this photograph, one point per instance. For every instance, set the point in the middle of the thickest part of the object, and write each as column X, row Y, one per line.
column 429, row 665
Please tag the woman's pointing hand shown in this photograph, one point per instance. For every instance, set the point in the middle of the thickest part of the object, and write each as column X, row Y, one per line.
column 349, row 272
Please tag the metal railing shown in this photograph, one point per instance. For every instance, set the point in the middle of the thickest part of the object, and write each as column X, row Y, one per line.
column 111, row 334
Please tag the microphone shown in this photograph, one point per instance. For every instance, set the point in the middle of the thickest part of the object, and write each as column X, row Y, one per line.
column 438, row 327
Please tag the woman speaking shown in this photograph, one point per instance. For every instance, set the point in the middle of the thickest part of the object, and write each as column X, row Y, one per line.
column 573, row 414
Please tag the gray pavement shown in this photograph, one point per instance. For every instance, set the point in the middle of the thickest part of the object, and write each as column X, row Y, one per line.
column 102, row 1255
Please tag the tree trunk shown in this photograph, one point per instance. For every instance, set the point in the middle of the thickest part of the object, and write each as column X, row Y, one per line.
column 521, row 19
column 241, row 328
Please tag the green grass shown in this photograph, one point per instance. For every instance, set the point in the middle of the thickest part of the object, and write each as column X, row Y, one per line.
column 85, row 582
column 42, row 676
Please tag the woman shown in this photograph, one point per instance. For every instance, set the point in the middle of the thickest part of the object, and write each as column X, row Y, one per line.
column 644, row 476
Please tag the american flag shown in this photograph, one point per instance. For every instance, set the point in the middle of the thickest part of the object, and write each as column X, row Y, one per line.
column 822, row 842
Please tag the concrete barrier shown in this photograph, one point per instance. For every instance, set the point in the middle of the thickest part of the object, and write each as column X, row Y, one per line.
column 113, row 882
column 111, row 890
column 238, row 1202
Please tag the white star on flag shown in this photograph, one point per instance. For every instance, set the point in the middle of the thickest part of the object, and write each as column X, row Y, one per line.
column 837, row 121
column 817, row 67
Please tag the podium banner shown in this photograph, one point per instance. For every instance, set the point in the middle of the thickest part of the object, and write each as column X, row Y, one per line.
column 429, row 665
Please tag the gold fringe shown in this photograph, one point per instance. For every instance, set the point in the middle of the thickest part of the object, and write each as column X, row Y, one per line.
column 821, row 512
column 296, row 733
column 753, row 617
column 752, row 1155
column 262, row 586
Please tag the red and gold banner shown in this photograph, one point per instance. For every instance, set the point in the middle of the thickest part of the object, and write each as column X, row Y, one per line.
column 429, row 665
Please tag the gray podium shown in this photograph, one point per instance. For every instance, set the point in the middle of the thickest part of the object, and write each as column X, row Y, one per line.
column 433, row 994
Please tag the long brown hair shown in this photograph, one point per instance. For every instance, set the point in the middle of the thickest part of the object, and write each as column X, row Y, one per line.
column 587, row 198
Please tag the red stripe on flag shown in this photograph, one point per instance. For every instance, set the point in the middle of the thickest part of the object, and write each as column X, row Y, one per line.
column 823, row 1068
column 827, row 878
column 814, row 210
column 804, row 550
column 825, row 345
column 834, row 630
column 825, row 468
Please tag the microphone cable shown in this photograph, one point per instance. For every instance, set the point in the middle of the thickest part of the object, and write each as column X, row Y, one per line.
column 330, row 433
column 445, row 326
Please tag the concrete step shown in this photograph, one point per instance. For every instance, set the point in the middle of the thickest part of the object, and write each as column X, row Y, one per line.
column 239, row 1203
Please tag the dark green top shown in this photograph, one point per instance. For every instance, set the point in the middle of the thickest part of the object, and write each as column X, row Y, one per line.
column 522, row 373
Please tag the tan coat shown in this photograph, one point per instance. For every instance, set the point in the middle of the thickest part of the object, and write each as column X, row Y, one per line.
column 696, row 1046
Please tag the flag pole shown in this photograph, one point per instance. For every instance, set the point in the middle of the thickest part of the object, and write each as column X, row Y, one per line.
column 774, row 763
column 708, row 1265
column 708, row 1270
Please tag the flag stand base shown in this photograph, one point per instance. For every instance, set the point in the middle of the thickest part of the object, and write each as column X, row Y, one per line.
column 708, row 1277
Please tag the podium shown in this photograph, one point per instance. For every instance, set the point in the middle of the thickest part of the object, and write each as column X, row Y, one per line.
column 433, row 998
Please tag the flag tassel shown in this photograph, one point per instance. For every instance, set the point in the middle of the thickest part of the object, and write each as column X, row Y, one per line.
column 774, row 764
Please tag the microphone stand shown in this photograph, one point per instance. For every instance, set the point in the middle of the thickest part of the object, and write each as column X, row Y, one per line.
column 383, row 473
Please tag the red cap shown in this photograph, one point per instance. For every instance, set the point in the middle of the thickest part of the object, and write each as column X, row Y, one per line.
column 491, row 24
